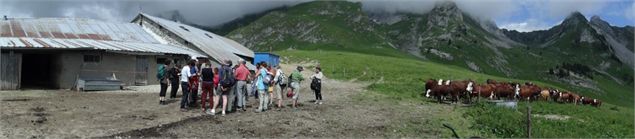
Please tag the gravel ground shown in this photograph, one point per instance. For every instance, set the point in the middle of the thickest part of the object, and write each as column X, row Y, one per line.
column 135, row 113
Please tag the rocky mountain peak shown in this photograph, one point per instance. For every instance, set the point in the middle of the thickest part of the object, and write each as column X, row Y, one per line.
column 446, row 7
column 444, row 13
column 574, row 19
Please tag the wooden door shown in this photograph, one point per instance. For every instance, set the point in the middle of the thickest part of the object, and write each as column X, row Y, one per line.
column 141, row 73
column 10, row 71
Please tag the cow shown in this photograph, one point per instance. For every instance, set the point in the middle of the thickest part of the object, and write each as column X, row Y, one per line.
column 529, row 91
column 596, row 103
column 545, row 93
column 483, row 90
column 440, row 91
column 575, row 98
column 430, row 84
column 461, row 88
column 586, row 100
column 507, row 90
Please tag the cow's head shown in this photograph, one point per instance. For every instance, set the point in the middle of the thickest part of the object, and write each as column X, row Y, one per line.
column 447, row 82
column 428, row 93
column 440, row 82
column 470, row 86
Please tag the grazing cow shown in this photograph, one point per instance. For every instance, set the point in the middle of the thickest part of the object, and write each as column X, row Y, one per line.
column 431, row 83
column 555, row 95
column 440, row 91
column 544, row 94
column 586, row 100
column 461, row 88
column 565, row 97
column 575, row 98
column 593, row 102
column 483, row 90
column 596, row 103
column 507, row 90
column 529, row 91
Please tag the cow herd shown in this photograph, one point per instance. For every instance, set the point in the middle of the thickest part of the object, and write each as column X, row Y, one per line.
column 494, row 90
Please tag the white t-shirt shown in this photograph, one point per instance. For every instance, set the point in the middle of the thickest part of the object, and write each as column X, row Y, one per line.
column 185, row 73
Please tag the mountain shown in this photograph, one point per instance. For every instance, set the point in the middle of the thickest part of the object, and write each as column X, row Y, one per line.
column 447, row 34
column 589, row 56
column 337, row 25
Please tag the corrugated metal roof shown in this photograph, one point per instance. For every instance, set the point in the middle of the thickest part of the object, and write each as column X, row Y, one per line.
column 80, row 33
column 218, row 47
column 136, row 47
column 73, row 28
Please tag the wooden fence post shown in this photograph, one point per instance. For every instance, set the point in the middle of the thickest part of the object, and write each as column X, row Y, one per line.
column 528, row 121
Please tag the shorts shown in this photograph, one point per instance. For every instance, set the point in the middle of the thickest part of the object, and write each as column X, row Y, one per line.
column 296, row 90
column 218, row 91
column 278, row 91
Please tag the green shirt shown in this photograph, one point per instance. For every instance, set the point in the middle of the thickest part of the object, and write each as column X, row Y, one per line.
column 296, row 76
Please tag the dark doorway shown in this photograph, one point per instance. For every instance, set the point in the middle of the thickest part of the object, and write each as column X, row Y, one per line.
column 38, row 71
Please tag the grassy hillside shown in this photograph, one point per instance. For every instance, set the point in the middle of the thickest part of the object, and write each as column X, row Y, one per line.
column 401, row 79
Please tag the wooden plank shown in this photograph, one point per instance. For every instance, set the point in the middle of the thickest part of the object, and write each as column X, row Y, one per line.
column 11, row 64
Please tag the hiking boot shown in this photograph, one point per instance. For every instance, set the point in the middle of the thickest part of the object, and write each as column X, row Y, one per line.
column 213, row 112
column 183, row 110
column 223, row 113
column 320, row 103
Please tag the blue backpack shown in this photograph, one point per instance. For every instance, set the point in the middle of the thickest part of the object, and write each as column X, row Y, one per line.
column 161, row 72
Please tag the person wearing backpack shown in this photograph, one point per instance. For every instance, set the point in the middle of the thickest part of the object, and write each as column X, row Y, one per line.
column 226, row 83
column 280, row 84
column 173, row 76
column 241, row 76
column 316, row 84
column 262, row 83
column 296, row 78
column 185, row 75
column 162, row 76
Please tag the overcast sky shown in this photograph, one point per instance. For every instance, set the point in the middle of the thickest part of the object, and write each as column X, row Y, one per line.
column 522, row 15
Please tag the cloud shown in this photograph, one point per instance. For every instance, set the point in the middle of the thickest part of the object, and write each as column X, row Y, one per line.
column 204, row 12
column 486, row 9
column 630, row 12
column 561, row 8
column 528, row 25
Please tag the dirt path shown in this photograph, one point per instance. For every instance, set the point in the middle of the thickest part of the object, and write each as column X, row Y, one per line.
column 348, row 111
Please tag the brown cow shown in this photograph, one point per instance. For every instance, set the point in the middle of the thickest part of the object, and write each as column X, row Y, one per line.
column 440, row 91
column 574, row 98
column 586, row 100
column 529, row 91
column 596, row 103
column 506, row 90
column 483, row 90
column 430, row 84
column 461, row 88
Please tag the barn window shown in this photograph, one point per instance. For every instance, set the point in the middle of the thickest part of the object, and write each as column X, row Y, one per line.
column 92, row 58
column 182, row 27
column 209, row 36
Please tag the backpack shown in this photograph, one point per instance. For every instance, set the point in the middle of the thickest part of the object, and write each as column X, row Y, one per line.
column 267, row 80
column 316, row 84
column 282, row 80
column 228, row 79
column 161, row 72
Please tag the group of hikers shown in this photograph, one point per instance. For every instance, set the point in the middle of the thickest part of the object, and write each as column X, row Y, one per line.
column 231, row 85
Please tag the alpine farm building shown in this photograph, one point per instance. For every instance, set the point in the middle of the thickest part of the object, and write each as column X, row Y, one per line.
column 71, row 53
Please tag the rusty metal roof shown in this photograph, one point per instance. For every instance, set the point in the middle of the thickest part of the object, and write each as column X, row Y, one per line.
column 88, row 44
column 216, row 46
column 79, row 33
